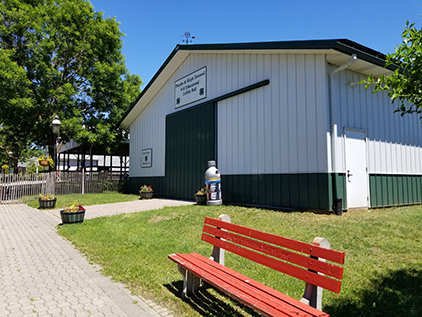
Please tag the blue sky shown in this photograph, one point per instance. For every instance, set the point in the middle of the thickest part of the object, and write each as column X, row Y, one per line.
column 153, row 28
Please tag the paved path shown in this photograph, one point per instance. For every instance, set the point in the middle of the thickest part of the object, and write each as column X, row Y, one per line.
column 41, row 274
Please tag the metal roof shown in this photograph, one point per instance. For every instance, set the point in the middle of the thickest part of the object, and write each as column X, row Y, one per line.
column 337, row 52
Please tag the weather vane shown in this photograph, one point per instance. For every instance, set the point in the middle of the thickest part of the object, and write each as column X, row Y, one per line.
column 188, row 37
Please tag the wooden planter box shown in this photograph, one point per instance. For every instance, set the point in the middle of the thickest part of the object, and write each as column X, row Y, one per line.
column 72, row 217
column 47, row 203
column 146, row 195
column 201, row 199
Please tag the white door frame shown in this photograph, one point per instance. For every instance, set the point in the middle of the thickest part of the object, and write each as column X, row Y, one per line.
column 346, row 166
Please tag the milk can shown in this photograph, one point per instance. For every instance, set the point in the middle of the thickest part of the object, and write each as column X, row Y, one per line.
column 213, row 184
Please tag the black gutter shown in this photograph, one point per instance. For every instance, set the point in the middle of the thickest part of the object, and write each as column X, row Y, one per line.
column 342, row 45
column 364, row 53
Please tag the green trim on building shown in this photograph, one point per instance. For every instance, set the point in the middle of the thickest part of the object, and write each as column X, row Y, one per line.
column 340, row 182
column 293, row 191
column 394, row 190
column 306, row 191
column 290, row 191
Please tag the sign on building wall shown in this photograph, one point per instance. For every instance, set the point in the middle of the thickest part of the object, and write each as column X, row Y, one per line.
column 146, row 158
column 191, row 88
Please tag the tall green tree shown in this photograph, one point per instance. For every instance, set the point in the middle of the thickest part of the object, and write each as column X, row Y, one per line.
column 61, row 57
column 405, row 84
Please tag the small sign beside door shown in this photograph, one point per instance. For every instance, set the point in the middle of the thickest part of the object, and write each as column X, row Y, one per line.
column 146, row 158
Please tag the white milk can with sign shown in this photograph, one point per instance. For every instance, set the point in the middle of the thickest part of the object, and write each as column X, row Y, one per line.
column 213, row 184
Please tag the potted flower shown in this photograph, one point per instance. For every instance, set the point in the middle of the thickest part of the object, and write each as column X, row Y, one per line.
column 47, row 201
column 45, row 160
column 5, row 168
column 75, row 213
column 201, row 196
column 146, row 192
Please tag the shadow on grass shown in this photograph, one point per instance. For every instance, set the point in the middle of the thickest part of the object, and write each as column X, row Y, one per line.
column 395, row 293
column 206, row 304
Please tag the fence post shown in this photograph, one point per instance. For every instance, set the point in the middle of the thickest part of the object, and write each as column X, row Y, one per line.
column 83, row 181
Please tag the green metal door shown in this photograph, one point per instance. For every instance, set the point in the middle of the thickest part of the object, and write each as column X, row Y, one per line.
column 190, row 144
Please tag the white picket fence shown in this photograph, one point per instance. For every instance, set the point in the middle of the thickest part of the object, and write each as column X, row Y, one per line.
column 24, row 188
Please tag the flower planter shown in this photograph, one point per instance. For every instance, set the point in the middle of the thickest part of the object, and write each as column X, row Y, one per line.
column 43, row 163
column 47, row 203
column 72, row 217
column 201, row 199
column 146, row 195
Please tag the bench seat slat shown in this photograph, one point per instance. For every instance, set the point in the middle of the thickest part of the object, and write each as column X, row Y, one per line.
column 308, row 248
column 252, row 293
column 262, row 288
column 283, row 254
column 304, row 275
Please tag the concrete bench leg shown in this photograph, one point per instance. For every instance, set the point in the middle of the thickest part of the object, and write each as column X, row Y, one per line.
column 313, row 294
column 190, row 282
column 218, row 253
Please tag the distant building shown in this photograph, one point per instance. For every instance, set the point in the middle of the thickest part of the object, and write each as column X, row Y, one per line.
column 72, row 157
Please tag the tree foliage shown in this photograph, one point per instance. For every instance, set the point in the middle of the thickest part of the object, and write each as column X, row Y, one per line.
column 405, row 84
column 61, row 57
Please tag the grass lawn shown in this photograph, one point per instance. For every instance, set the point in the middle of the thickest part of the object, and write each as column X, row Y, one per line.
column 382, row 273
column 89, row 199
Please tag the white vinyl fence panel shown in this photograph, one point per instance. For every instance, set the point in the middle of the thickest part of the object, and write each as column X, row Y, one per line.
column 24, row 188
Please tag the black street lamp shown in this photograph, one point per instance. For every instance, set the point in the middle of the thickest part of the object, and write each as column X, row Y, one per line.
column 56, row 129
column 9, row 156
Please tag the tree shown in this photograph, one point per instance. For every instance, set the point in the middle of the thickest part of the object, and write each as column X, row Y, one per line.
column 60, row 57
column 14, row 144
column 405, row 84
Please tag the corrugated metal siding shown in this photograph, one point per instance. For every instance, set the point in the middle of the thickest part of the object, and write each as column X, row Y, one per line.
column 225, row 73
column 274, row 119
column 394, row 142
column 296, row 191
column 190, row 144
column 148, row 131
column 280, row 128
column 394, row 147
column 394, row 190
column 283, row 128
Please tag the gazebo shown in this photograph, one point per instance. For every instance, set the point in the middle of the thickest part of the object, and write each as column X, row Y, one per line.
column 73, row 156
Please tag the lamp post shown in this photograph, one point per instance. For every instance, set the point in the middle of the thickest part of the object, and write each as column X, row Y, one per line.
column 56, row 128
column 9, row 156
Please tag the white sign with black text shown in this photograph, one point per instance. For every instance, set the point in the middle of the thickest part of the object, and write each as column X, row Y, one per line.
column 146, row 158
column 191, row 88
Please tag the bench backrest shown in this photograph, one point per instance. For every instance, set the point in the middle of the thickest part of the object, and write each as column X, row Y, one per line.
column 289, row 256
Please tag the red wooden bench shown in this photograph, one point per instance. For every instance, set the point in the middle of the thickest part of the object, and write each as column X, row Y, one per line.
column 304, row 261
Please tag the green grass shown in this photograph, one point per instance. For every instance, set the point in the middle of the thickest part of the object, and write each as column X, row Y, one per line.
column 89, row 199
column 382, row 273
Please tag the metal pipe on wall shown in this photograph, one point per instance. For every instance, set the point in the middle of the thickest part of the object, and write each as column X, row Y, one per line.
column 333, row 126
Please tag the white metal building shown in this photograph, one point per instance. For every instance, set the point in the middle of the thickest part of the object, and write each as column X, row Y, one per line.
column 287, row 123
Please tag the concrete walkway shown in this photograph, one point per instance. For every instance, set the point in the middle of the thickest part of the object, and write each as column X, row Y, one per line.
column 41, row 274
